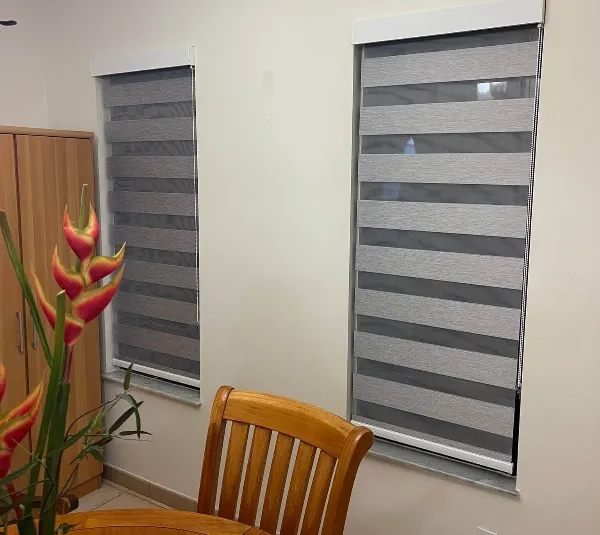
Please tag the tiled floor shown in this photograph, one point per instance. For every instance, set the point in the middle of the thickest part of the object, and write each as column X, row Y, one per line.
column 109, row 496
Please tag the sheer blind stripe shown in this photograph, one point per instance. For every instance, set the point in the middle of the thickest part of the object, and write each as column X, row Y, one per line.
column 151, row 135
column 154, row 238
column 444, row 169
column 475, row 318
column 180, row 276
column 150, row 92
column 458, row 117
column 486, row 220
column 482, row 63
column 482, row 270
column 482, row 368
column 157, row 307
column 175, row 129
column 482, row 168
column 152, row 166
column 152, row 203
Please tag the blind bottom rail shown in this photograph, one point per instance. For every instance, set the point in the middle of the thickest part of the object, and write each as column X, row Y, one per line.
column 434, row 447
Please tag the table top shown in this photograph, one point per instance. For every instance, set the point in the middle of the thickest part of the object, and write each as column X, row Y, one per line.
column 154, row 522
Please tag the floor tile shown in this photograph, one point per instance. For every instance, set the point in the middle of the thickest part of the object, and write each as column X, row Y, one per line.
column 127, row 501
column 104, row 494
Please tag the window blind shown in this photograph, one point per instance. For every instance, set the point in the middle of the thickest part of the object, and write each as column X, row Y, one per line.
column 444, row 195
column 151, row 139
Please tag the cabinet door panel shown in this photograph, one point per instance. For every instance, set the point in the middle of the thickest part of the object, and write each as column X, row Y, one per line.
column 51, row 172
column 11, row 299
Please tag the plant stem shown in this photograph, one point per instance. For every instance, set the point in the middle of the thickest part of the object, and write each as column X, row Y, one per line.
column 51, row 402
column 82, row 210
column 55, row 439
column 12, row 492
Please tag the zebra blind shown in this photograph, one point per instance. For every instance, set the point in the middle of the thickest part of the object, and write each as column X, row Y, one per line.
column 151, row 136
column 444, row 172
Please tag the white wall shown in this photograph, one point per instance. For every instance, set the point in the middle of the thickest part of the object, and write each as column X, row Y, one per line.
column 274, row 104
column 22, row 80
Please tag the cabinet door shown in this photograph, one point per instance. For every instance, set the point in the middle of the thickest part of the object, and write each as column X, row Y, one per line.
column 12, row 338
column 51, row 173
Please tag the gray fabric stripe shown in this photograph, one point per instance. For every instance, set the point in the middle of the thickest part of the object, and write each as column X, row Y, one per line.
column 186, row 348
column 151, row 166
column 487, row 369
column 155, row 92
column 426, row 334
column 450, row 291
column 375, row 411
column 159, row 361
column 481, row 415
column 439, row 241
column 155, row 238
column 156, row 307
column 172, row 129
column 482, row 63
column 508, row 221
column 179, row 276
column 459, row 316
column 497, row 271
column 514, row 115
column 153, row 203
column 477, row 168
column 437, row 382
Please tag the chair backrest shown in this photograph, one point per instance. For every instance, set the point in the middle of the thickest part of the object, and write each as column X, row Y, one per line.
column 340, row 446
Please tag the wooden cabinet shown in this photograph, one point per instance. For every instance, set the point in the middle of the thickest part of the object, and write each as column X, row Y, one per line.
column 41, row 172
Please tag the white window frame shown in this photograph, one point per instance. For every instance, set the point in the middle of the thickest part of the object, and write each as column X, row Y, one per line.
column 118, row 63
column 476, row 17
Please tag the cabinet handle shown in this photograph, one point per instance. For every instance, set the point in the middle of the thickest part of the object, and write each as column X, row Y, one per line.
column 21, row 343
column 34, row 340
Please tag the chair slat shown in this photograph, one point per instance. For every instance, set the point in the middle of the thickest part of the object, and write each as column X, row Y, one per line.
column 297, row 491
column 254, row 475
column 213, row 449
column 232, row 475
column 276, row 483
column 318, row 494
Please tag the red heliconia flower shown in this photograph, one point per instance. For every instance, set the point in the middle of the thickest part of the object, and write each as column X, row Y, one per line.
column 68, row 279
column 101, row 266
column 89, row 304
column 82, row 242
column 73, row 325
column 15, row 425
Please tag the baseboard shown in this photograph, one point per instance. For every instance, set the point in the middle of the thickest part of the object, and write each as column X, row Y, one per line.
column 148, row 489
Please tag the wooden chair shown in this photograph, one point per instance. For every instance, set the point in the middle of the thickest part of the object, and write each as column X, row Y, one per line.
column 341, row 447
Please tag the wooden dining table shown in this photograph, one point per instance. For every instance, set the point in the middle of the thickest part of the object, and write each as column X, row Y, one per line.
column 154, row 522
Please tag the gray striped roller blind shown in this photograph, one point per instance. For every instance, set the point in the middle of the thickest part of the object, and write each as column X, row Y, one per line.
column 151, row 137
column 445, row 172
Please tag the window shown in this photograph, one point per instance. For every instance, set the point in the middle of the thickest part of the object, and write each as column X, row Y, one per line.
column 150, row 133
column 444, row 198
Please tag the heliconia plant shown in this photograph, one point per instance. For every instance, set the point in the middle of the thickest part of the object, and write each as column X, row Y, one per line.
column 86, row 300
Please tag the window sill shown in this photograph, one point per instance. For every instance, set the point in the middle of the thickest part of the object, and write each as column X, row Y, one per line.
column 475, row 475
column 181, row 393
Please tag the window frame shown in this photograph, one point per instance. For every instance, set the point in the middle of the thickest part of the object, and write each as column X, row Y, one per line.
column 107, row 65
column 446, row 22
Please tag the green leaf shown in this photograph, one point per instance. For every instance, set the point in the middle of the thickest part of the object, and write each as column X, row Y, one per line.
column 122, row 419
column 18, row 473
column 136, row 432
column 103, row 441
column 96, row 454
column 127, row 379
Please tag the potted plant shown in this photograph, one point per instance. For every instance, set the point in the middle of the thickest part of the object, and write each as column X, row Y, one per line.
column 80, row 301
